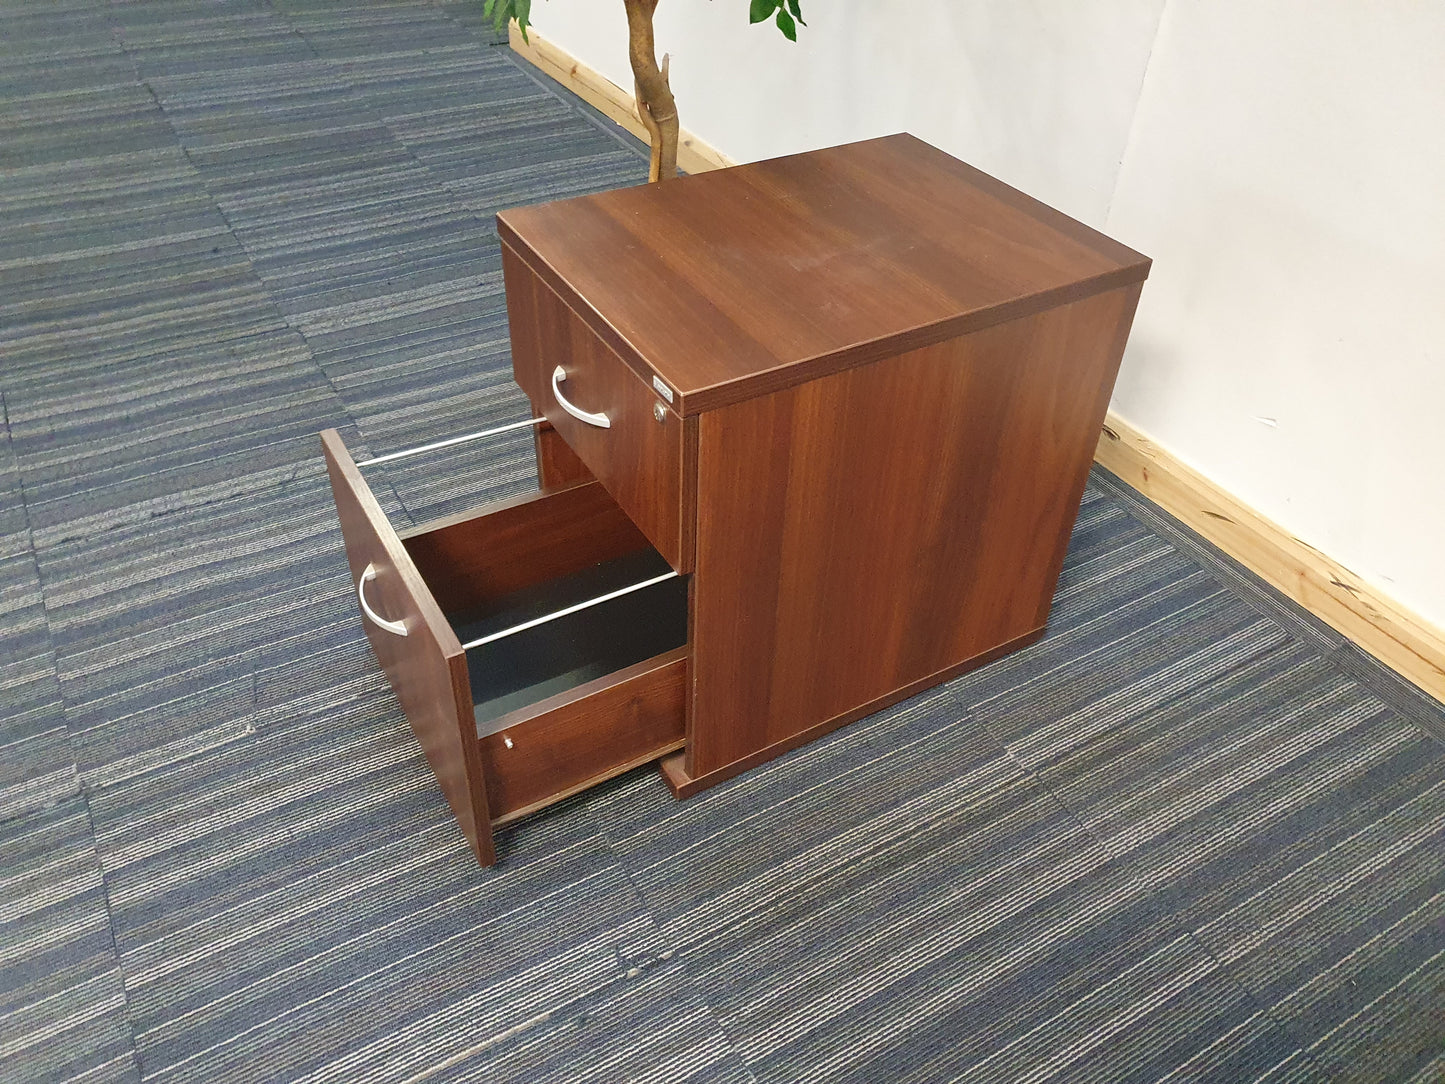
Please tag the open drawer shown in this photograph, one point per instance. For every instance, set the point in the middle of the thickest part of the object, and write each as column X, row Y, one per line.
column 537, row 645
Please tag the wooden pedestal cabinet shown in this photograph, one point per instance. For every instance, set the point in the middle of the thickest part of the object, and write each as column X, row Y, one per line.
column 814, row 431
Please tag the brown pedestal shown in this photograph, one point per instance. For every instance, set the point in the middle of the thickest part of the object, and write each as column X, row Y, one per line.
column 850, row 397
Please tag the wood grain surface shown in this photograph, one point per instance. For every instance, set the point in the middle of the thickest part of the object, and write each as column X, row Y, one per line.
column 585, row 735
column 861, row 532
column 519, row 542
column 639, row 458
column 743, row 281
column 427, row 667
column 674, row 767
column 557, row 464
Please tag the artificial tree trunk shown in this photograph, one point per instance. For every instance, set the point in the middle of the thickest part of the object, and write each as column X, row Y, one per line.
column 654, row 94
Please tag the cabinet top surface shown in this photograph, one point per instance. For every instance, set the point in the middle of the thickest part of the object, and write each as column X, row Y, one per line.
column 741, row 281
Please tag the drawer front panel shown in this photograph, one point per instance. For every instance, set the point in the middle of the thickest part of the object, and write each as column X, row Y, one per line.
column 568, row 742
column 638, row 455
column 426, row 666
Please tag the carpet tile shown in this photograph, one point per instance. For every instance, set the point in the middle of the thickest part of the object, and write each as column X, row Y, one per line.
column 62, row 999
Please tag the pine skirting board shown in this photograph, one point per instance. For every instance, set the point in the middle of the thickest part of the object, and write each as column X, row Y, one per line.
column 1404, row 641
column 605, row 96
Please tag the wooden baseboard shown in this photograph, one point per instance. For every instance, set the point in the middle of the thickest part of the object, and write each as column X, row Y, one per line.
column 1402, row 640
column 594, row 88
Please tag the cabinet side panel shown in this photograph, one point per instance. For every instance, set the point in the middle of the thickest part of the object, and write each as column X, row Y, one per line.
column 861, row 532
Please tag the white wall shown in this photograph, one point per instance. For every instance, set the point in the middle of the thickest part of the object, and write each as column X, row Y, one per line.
column 1282, row 161
column 1287, row 173
column 1002, row 84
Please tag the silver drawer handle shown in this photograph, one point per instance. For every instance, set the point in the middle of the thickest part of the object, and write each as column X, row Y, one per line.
column 601, row 421
column 396, row 627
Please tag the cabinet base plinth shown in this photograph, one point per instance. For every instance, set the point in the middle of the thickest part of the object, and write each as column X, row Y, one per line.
column 674, row 768
column 674, row 774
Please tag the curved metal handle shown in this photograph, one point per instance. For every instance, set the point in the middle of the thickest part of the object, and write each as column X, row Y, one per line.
column 396, row 627
column 559, row 374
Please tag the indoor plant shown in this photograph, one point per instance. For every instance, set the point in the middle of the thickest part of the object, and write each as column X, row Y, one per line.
column 655, row 104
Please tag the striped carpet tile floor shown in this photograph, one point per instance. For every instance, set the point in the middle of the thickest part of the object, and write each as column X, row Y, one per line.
column 62, row 995
column 1190, row 834
column 1163, row 849
column 37, row 765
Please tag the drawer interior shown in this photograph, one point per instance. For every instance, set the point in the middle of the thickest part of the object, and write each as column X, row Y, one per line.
column 541, row 555
column 559, row 655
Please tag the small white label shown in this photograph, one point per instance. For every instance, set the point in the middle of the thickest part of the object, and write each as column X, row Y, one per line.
column 662, row 389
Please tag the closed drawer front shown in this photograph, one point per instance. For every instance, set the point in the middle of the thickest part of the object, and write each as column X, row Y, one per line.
column 514, row 713
column 618, row 426
column 561, row 745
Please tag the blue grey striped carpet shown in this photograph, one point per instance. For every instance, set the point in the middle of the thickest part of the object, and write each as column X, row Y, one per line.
column 1191, row 834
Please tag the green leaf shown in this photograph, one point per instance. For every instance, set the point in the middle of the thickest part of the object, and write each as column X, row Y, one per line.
column 787, row 26
column 523, row 16
column 761, row 9
column 797, row 10
column 487, row 8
